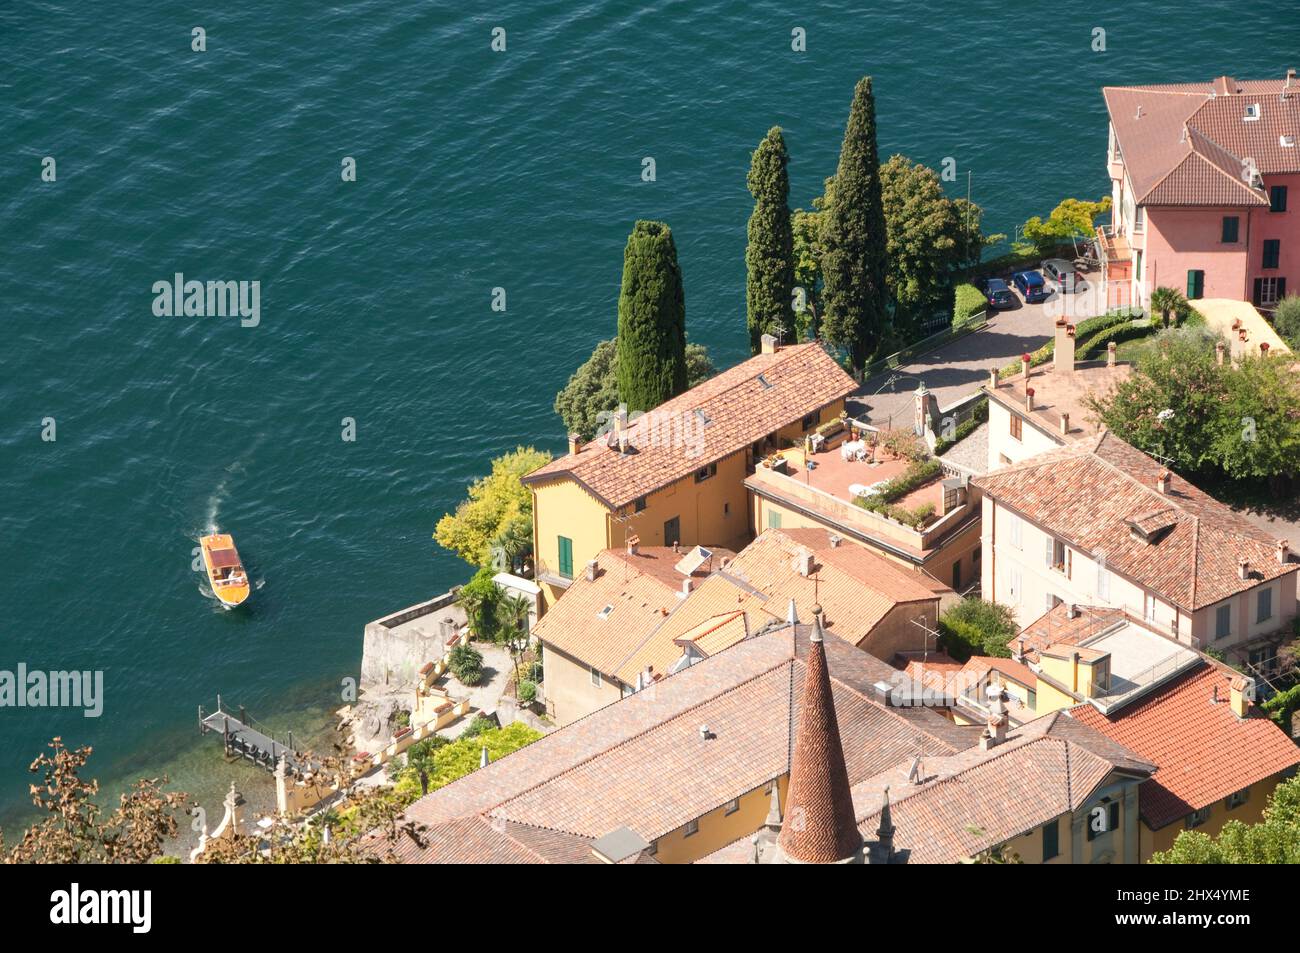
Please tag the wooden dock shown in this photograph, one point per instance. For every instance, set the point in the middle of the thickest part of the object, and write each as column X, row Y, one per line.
column 242, row 739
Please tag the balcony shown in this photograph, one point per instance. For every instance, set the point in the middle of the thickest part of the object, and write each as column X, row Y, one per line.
column 1113, row 244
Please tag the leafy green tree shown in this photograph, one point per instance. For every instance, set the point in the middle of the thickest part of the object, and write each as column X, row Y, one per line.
column 769, row 256
column 925, row 236
column 496, row 503
column 591, row 395
column 1170, row 406
column 1275, row 839
column 1072, row 218
column 651, row 319
column 977, row 627
column 1286, row 320
column 513, row 616
column 854, row 237
column 452, row 762
column 1171, row 304
column 480, row 599
column 1256, row 434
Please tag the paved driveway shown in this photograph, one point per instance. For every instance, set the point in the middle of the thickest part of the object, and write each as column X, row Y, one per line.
column 959, row 367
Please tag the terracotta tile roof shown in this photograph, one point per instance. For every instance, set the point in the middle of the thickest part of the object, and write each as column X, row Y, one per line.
column 1055, row 627
column 1202, row 751
column 642, row 762
column 1184, row 144
column 740, row 409
column 975, row 799
column 1088, row 493
column 819, row 805
column 1056, row 394
column 1016, row 671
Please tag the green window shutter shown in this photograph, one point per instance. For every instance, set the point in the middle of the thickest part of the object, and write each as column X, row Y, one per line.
column 1051, row 839
column 1195, row 283
column 1272, row 252
column 566, row 557
column 773, row 519
column 1230, row 229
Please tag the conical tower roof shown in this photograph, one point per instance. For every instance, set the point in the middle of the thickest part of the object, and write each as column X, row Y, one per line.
column 819, row 825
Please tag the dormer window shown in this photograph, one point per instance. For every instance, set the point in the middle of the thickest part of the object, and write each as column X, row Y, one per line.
column 1286, row 142
column 1252, row 113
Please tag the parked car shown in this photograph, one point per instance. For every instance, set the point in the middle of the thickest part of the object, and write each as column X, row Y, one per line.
column 1061, row 276
column 998, row 294
column 1031, row 286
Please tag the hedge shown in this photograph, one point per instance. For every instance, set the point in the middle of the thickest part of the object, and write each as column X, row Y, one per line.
column 1096, row 346
column 968, row 301
column 1282, row 706
column 964, row 429
column 1084, row 330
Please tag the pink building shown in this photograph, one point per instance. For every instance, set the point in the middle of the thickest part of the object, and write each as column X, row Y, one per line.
column 1205, row 181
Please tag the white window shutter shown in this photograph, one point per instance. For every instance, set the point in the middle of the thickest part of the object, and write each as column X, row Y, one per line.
column 1050, row 544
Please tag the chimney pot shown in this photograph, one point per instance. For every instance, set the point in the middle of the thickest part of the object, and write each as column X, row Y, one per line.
column 593, row 568
column 1243, row 568
column 1263, row 348
column 1218, row 352
column 993, row 378
column 1111, row 354
column 1029, row 398
column 1065, row 424
column 769, row 344
column 1024, row 364
column 834, row 540
column 633, row 542
column 575, row 443
column 1283, row 551
column 1162, row 481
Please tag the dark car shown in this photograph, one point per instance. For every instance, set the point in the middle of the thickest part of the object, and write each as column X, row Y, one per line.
column 1031, row 286
column 998, row 294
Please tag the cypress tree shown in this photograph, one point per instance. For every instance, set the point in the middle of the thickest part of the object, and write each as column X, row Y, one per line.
column 769, row 257
column 651, row 319
column 853, row 267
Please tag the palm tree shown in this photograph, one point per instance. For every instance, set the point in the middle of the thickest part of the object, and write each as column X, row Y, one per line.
column 1170, row 303
column 513, row 613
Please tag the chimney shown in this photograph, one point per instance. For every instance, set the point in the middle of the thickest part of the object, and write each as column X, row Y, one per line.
column 1240, row 694
column 1218, row 352
column 633, row 542
column 1024, row 364
column 687, row 585
column 803, row 563
column 1110, row 354
column 1289, row 84
column 1243, row 569
column 1018, row 653
column 592, row 570
column 1162, row 482
column 995, row 731
column 575, row 443
column 769, row 344
column 1029, row 398
column 677, row 546
column 1065, row 424
column 1283, row 551
column 620, row 428
column 993, row 378
column 1072, row 611
column 834, row 540
column 1063, row 349
column 1223, row 85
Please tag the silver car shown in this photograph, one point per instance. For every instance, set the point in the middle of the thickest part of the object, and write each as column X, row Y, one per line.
column 1061, row 276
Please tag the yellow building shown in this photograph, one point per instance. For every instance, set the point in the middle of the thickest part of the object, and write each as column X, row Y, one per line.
column 677, row 474
column 1217, row 757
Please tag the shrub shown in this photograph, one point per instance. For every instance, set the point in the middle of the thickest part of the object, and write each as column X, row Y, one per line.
column 1286, row 320
column 480, row 724
column 905, row 444
column 964, row 429
column 527, row 692
column 977, row 627
column 918, row 473
column 453, row 760
column 968, row 301
column 467, row 664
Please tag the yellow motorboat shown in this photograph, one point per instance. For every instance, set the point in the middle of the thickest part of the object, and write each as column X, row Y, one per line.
column 225, row 571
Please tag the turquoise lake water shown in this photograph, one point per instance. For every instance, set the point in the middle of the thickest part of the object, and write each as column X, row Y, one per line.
column 475, row 170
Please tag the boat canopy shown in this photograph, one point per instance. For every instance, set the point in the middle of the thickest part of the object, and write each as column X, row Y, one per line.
column 223, row 558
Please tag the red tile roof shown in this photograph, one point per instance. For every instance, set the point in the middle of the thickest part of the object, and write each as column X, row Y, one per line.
column 741, row 406
column 1202, row 751
column 819, row 806
column 1088, row 494
column 1185, row 144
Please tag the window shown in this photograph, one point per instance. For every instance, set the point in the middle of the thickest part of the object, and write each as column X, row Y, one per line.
column 1103, row 582
column 703, row 473
column 732, row 806
column 1223, row 622
column 1231, row 226
column 566, row 557
column 1013, row 585
column 1052, row 839
column 956, row 576
column 1269, row 291
column 975, row 556
column 1277, row 198
column 1103, row 818
column 1014, row 532
column 773, row 519
column 1195, row 283
column 1264, row 611
column 1137, row 265
column 1058, row 556
column 1237, row 798
column 1149, row 608
column 639, row 505
column 1139, row 219
column 672, row 531
column 809, row 421
column 726, row 509
column 692, row 827
column 1196, row 818
column 595, row 678
column 1272, row 252
column 1015, row 427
